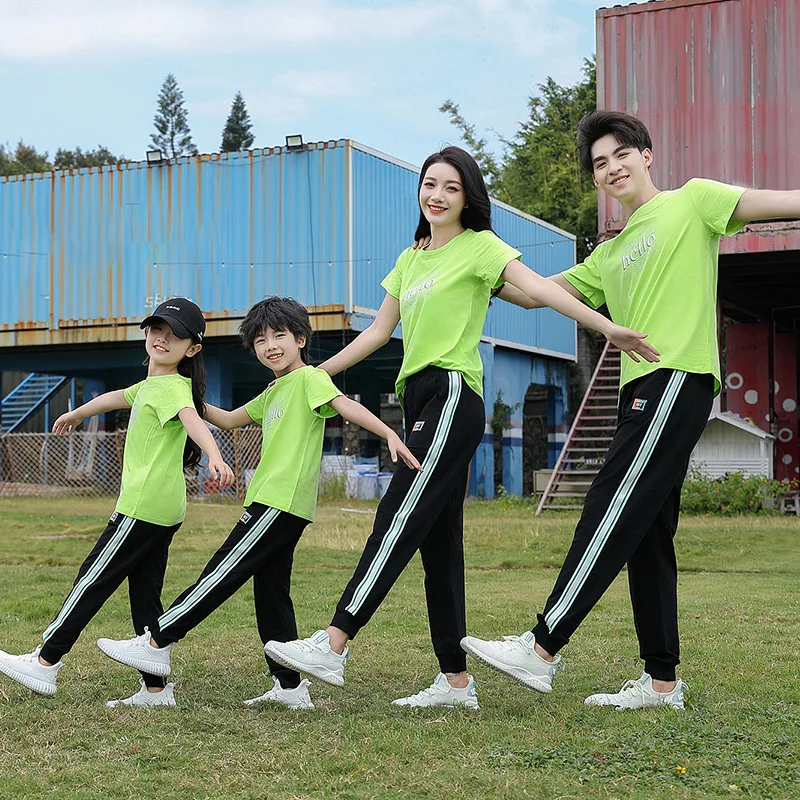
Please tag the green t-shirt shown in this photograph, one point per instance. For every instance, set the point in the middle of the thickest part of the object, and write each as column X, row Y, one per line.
column 659, row 276
column 444, row 296
column 292, row 412
column 153, row 485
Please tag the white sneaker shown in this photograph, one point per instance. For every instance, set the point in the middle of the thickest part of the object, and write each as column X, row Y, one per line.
column 441, row 693
column 312, row 656
column 640, row 694
column 516, row 657
column 147, row 699
column 138, row 653
column 296, row 698
column 27, row 670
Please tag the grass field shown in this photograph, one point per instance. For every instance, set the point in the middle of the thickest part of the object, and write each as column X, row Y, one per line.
column 740, row 735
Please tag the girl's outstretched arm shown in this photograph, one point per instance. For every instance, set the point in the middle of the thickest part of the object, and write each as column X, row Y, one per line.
column 110, row 401
column 227, row 420
column 369, row 340
column 202, row 436
column 549, row 293
column 356, row 413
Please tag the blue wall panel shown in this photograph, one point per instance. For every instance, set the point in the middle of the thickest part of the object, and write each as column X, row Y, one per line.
column 385, row 214
column 223, row 229
column 105, row 245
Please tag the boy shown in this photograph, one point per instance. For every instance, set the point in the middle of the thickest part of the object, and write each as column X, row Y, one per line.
column 280, row 500
column 659, row 275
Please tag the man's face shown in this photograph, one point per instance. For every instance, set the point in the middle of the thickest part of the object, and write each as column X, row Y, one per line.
column 621, row 171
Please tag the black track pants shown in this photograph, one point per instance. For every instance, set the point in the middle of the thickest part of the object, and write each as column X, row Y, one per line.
column 127, row 548
column 261, row 546
column 424, row 511
column 630, row 517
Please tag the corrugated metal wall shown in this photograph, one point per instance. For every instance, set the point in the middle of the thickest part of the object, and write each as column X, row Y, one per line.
column 385, row 214
column 547, row 250
column 716, row 81
column 101, row 247
column 222, row 229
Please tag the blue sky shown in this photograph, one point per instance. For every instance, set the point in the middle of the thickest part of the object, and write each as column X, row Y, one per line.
column 85, row 72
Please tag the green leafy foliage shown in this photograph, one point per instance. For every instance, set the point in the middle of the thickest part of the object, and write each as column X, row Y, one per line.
column 22, row 159
column 25, row 159
column 171, row 122
column 77, row 158
column 539, row 172
column 733, row 494
column 238, row 131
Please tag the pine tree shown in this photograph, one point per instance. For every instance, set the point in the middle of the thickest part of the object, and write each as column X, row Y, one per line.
column 171, row 122
column 237, row 134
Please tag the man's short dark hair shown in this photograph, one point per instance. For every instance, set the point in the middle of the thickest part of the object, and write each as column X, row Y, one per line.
column 627, row 130
column 280, row 314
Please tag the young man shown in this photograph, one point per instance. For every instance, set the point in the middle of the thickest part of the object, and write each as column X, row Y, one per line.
column 659, row 275
column 280, row 500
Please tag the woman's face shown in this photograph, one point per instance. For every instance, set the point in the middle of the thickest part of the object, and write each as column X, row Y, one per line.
column 441, row 195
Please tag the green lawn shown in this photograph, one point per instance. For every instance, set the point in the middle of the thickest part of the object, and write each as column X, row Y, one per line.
column 740, row 735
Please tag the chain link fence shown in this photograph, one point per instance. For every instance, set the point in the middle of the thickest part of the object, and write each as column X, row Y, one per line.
column 89, row 464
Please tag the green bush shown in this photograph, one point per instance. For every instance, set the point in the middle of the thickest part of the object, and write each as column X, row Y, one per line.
column 734, row 493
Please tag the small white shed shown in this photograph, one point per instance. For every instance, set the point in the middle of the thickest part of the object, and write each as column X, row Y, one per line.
column 732, row 444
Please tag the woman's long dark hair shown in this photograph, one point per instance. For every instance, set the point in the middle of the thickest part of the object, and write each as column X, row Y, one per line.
column 477, row 213
column 195, row 369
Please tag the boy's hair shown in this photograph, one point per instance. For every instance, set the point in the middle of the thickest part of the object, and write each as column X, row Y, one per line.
column 280, row 314
column 627, row 130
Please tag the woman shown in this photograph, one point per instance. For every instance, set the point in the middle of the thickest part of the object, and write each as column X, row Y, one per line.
column 440, row 292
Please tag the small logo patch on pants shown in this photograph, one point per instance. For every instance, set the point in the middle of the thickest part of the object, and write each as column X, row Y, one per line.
column 418, row 426
column 245, row 518
column 113, row 517
column 638, row 404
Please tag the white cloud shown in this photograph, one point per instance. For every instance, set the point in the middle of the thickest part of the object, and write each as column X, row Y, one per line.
column 52, row 30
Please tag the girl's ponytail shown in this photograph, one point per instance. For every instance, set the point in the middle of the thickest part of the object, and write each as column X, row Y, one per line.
column 195, row 369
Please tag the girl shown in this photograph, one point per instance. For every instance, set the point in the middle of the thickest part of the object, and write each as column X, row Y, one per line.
column 441, row 294
column 165, row 407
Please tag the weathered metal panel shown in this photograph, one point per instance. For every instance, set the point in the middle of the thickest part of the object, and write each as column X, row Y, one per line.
column 385, row 215
column 547, row 250
column 716, row 82
column 101, row 246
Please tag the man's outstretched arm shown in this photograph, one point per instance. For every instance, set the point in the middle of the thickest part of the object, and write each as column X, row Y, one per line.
column 757, row 204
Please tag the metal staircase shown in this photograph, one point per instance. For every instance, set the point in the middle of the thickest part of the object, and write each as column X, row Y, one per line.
column 27, row 397
column 588, row 440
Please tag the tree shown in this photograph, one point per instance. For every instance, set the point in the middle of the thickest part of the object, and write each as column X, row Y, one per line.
column 171, row 122
column 477, row 145
column 22, row 160
column 539, row 172
column 237, row 134
column 77, row 158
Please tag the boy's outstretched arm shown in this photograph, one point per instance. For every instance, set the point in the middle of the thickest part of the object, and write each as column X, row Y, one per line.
column 204, row 439
column 356, row 413
column 757, row 204
column 102, row 404
column 227, row 420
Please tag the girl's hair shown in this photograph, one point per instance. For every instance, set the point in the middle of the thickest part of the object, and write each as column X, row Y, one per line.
column 627, row 130
column 477, row 213
column 280, row 314
column 195, row 369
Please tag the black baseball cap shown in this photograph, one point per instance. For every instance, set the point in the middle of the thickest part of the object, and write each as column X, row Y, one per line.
column 182, row 315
